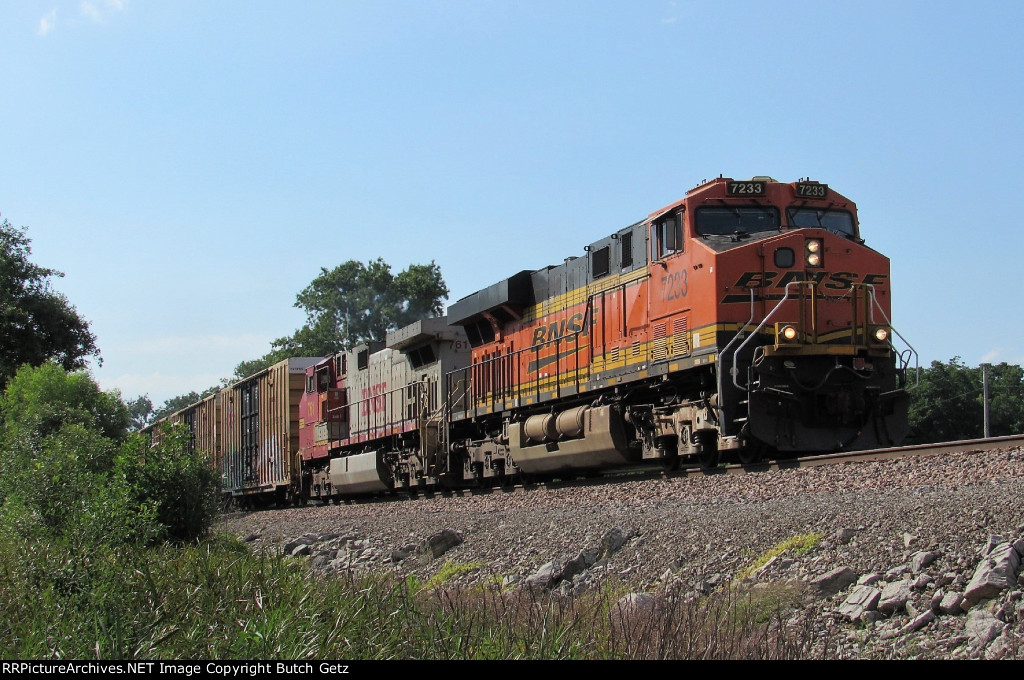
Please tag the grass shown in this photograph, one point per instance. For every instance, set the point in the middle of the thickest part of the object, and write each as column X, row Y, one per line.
column 798, row 544
column 218, row 600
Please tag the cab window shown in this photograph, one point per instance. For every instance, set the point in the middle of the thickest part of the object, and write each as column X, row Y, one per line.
column 738, row 220
column 838, row 221
column 668, row 236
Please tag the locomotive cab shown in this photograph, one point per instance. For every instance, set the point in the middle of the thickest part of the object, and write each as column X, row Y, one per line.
column 806, row 361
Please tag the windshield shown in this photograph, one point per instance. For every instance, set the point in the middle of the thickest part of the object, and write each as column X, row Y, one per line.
column 727, row 221
column 838, row 221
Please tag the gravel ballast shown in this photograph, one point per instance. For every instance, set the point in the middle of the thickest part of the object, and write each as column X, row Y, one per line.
column 918, row 530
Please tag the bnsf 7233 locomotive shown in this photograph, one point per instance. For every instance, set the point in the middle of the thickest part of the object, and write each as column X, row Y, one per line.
column 749, row 318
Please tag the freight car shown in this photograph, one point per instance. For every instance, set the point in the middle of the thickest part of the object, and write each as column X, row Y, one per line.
column 748, row 318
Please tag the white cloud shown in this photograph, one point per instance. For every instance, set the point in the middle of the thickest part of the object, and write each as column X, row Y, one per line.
column 88, row 9
column 159, row 386
column 47, row 23
column 244, row 344
column 96, row 13
column 990, row 356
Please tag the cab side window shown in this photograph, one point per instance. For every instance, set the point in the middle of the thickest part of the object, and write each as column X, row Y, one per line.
column 668, row 236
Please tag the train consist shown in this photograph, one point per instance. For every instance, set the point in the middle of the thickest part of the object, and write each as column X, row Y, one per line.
column 748, row 319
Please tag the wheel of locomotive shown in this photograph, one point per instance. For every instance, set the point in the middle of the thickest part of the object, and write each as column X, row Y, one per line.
column 753, row 453
column 668, row 447
column 707, row 450
column 670, row 462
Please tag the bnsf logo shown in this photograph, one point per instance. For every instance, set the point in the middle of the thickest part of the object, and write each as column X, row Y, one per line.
column 832, row 280
column 548, row 332
column 828, row 280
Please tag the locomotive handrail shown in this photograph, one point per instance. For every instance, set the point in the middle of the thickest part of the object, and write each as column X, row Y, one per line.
column 721, row 355
column 734, row 371
column 906, row 362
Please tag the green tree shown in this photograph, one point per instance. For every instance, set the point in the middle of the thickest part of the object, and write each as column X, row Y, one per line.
column 69, row 470
column 356, row 303
column 948, row 405
column 175, row 404
column 174, row 479
column 60, row 436
column 37, row 324
column 1006, row 399
column 140, row 412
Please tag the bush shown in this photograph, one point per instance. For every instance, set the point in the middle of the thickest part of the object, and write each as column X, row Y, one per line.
column 69, row 470
column 177, row 481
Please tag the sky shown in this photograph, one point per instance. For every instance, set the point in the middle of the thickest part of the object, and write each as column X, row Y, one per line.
column 190, row 166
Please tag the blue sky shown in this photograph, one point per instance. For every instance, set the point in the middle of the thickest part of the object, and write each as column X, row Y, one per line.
column 190, row 166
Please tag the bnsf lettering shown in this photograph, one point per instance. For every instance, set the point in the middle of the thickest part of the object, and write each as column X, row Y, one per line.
column 817, row 277
column 373, row 399
column 832, row 280
column 545, row 333
column 756, row 279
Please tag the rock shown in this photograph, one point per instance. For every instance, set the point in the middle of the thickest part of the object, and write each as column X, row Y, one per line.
column 982, row 627
column 894, row 597
column 545, row 578
column 919, row 622
column 443, row 541
column 951, row 603
column 290, row 546
column 300, row 550
column 845, row 535
column 635, row 603
column 583, row 561
column 862, row 599
column 999, row 648
column 921, row 582
column 896, row 572
column 832, row 582
column 990, row 545
column 869, row 579
column 612, row 540
column 995, row 573
column 908, row 540
column 936, row 600
column 922, row 559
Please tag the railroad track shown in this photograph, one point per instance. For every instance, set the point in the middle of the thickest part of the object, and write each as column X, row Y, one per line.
column 638, row 473
column 651, row 472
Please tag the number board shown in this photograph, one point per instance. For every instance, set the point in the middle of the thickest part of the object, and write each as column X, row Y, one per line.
column 805, row 190
column 745, row 188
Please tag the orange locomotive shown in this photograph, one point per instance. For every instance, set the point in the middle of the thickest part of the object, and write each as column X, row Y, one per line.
column 748, row 316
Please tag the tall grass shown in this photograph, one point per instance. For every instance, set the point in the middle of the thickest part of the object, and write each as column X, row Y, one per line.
column 217, row 600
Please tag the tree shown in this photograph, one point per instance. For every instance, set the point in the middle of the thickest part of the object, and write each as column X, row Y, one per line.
column 141, row 412
column 353, row 303
column 37, row 324
column 356, row 303
column 175, row 404
column 948, row 405
column 71, row 471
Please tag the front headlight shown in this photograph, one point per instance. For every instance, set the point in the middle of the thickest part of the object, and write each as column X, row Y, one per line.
column 787, row 333
column 813, row 252
column 880, row 335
